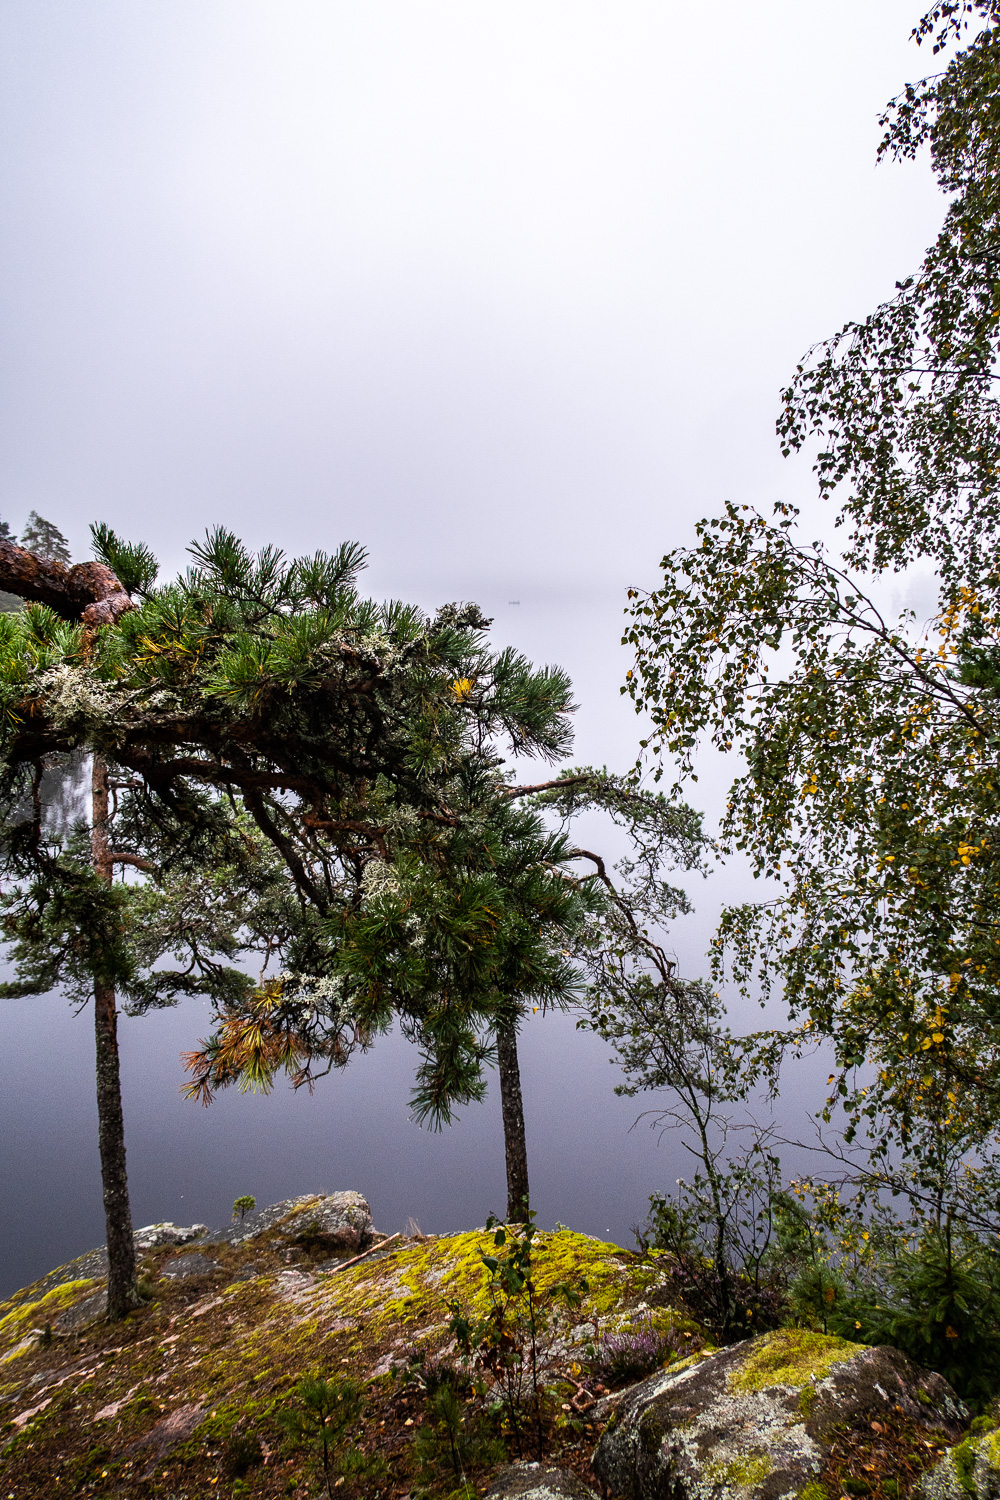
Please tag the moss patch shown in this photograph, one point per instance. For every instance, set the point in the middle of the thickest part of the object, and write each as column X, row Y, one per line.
column 24, row 1316
column 793, row 1357
column 741, row 1473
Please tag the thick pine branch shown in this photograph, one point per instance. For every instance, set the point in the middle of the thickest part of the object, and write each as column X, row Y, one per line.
column 87, row 591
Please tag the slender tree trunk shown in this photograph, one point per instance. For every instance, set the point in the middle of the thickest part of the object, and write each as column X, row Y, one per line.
column 514, row 1141
column 122, row 1291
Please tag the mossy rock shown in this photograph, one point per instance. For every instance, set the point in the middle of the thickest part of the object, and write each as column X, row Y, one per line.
column 230, row 1347
column 758, row 1419
column 533, row 1481
column 968, row 1471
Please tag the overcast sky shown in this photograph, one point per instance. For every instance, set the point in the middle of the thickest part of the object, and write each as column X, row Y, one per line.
column 505, row 292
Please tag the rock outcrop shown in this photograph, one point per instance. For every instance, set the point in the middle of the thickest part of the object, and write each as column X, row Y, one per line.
column 537, row 1482
column 340, row 1223
column 760, row 1418
column 192, row 1385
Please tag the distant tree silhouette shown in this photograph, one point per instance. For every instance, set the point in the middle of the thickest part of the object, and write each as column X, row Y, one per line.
column 43, row 539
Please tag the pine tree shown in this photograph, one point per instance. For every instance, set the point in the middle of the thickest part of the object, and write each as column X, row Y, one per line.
column 343, row 734
column 45, row 540
column 547, row 905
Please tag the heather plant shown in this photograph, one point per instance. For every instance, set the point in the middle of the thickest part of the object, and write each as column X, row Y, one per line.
column 635, row 1352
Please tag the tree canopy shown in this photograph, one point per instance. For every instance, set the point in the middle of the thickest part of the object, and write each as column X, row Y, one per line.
column 869, row 790
column 349, row 735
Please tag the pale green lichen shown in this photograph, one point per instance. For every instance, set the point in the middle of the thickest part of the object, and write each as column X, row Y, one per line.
column 791, row 1357
column 740, row 1473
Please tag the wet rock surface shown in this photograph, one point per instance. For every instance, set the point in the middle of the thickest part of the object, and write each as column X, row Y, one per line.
column 760, row 1417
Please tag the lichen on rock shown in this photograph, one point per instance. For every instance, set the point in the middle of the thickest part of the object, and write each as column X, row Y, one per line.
column 533, row 1481
column 758, row 1419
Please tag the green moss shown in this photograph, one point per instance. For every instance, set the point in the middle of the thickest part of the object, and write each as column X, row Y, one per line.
column 963, row 1460
column 415, row 1284
column 27, row 1315
column 813, row 1491
column 740, row 1473
column 791, row 1357
column 991, row 1449
column 807, row 1396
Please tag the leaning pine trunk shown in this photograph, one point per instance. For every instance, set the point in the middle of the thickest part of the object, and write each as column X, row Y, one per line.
column 122, row 1290
column 515, row 1144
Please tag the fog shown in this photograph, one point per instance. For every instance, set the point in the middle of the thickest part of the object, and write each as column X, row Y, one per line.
column 506, row 293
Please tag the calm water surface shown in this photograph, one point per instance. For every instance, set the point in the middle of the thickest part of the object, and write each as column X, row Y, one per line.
column 188, row 1163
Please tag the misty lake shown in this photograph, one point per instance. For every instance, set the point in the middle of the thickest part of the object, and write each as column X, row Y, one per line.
column 188, row 1163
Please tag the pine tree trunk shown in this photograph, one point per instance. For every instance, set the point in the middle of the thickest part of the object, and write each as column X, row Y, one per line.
column 122, row 1291
column 515, row 1145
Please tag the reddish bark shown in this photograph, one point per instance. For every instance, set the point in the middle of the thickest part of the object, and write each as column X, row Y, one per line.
column 87, row 591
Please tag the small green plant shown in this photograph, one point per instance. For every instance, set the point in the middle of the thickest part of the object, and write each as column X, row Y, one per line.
column 506, row 1341
column 243, row 1206
column 942, row 1308
column 455, row 1435
column 325, row 1411
column 242, row 1451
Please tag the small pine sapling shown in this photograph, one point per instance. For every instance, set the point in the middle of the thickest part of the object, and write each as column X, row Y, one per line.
column 325, row 1411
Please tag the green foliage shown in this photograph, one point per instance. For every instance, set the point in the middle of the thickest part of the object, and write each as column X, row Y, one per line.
column 454, row 1436
column 218, row 893
column 324, row 1413
column 927, row 1288
column 243, row 1206
column 868, row 742
column 330, row 766
column 717, row 1231
column 943, row 1309
column 505, row 1342
column 133, row 564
